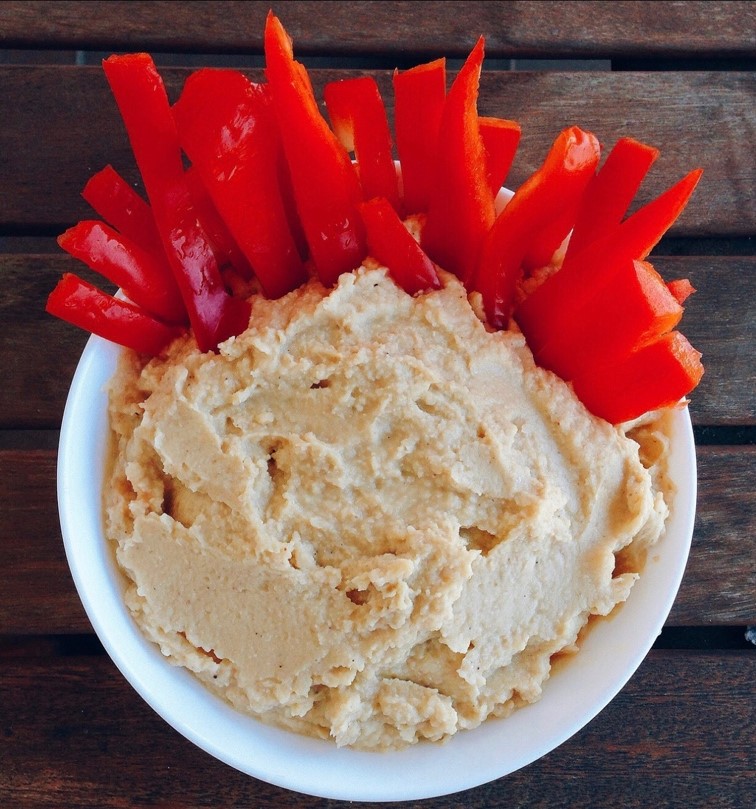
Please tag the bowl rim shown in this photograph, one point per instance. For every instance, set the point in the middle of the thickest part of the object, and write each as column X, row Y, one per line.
column 609, row 655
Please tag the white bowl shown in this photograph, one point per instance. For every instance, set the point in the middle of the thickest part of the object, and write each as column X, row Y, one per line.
column 575, row 693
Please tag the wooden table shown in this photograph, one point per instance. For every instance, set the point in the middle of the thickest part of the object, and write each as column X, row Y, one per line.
column 676, row 75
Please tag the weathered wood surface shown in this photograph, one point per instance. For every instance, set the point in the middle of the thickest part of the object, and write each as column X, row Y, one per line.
column 512, row 29
column 74, row 733
column 61, row 125
column 38, row 354
column 38, row 597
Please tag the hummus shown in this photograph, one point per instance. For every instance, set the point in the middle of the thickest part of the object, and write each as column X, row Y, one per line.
column 369, row 518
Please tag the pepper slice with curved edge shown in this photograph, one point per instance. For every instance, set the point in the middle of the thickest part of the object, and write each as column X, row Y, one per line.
column 392, row 244
column 611, row 191
column 80, row 303
column 120, row 205
column 500, row 140
column 630, row 308
column 461, row 205
column 359, row 120
column 326, row 186
column 141, row 97
column 657, row 375
column 227, row 128
column 562, row 178
column 604, row 203
column 144, row 279
column 632, row 239
column 419, row 95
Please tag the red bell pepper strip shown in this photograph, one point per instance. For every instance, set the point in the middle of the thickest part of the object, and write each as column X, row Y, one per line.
column 419, row 95
column 326, row 186
column 632, row 308
column 226, row 126
column 657, row 375
column 393, row 245
column 500, row 140
column 682, row 289
column 80, row 303
column 461, row 206
column 226, row 251
column 632, row 239
column 120, row 205
column 143, row 102
column 144, row 279
column 611, row 191
column 561, row 179
column 358, row 118
column 550, row 238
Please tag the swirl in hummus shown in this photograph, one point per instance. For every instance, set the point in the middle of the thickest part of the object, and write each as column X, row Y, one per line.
column 368, row 517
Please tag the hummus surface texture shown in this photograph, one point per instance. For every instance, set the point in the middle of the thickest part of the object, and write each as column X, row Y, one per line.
column 369, row 518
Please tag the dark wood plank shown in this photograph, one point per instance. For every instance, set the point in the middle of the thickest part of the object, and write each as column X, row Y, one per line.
column 696, row 119
column 532, row 29
column 75, row 734
column 38, row 353
column 724, row 541
column 720, row 321
column 38, row 597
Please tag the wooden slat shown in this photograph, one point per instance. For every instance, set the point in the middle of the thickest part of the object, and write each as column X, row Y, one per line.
column 720, row 321
column 76, row 734
column 696, row 119
column 532, row 29
column 38, row 353
column 720, row 579
column 38, row 596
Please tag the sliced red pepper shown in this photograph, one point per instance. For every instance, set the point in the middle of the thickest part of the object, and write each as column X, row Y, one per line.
column 359, row 120
column 393, row 245
column 611, row 191
column 624, row 312
column 682, row 289
column 120, row 205
column 419, row 95
column 550, row 238
column 145, row 280
column 657, row 375
column 500, row 140
column 143, row 102
column 227, row 127
column 632, row 239
column 326, row 186
column 461, row 206
column 541, row 199
column 226, row 251
column 80, row 303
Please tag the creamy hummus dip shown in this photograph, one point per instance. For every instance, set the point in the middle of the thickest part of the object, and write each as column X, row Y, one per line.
column 369, row 518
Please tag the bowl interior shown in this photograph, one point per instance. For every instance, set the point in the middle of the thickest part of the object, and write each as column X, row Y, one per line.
column 575, row 693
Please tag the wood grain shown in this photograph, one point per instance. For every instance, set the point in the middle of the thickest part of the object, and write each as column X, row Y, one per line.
column 38, row 597
column 512, row 29
column 720, row 578
column 76, row 734
column 38, row 353
column 695, row 119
